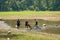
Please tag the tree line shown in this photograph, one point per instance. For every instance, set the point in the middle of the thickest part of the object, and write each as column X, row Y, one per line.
column 33, row 5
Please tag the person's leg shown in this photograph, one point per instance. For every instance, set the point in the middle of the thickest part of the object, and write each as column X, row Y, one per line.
column 18, row 26
column 37, row 26
column 29, row 26
column 26, row 25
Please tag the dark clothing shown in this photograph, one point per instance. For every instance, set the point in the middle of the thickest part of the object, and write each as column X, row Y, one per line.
column 27, row 24
column 18, row 23
column 36, row 23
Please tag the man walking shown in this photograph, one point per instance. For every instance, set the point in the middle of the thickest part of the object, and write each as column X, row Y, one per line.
column 18, row 23
column 36, row 24
column 27, row 24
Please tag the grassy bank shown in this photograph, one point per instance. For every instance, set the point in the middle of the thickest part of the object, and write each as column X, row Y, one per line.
column 29, row 14
column 28, row 35
column 32, row 13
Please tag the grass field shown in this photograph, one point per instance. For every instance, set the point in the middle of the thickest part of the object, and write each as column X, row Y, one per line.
column 28, row 35
column 30, row 15
column 11, row 17
column 52, row 30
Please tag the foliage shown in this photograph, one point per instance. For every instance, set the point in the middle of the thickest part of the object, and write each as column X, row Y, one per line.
column 34, row 5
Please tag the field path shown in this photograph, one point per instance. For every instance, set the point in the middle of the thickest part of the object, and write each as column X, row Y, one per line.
column 4, row 25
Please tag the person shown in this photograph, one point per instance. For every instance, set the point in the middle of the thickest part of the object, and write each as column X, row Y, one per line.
column 36, row 24
column 18, row 23
column 27, row 24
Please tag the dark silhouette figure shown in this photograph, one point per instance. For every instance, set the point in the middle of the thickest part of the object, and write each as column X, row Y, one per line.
column 18, row 23
column 27, row 24
column 36, row 24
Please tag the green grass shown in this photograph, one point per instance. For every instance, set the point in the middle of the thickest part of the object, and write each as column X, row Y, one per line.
column 2, row 31
column 28, row 35
column 31, row 13
column 52, row 30
column 47, row 15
